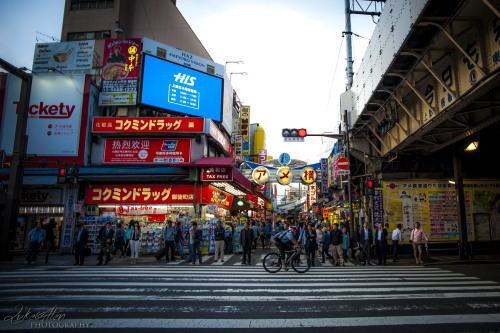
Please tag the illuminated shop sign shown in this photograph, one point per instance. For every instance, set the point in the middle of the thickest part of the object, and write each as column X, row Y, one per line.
column 176, row 88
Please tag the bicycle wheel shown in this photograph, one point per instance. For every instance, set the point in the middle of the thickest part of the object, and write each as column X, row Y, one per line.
column 272, row 262
column 301, row 263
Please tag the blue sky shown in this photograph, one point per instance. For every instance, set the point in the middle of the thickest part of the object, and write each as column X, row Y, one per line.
column 293, row 51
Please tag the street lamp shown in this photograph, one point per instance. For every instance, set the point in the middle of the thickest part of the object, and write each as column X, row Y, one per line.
column 232, row 62
column 239, row 73
column 119, row 29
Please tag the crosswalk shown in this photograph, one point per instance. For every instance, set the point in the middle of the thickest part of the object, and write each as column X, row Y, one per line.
column 219, row 296
column 210, row 260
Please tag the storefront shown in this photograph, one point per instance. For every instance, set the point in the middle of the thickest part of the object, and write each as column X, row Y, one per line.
column 152, row 206
column 40, row 205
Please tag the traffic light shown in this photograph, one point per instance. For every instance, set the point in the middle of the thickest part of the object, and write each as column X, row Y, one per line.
column 67, row 175
column 72, row 176
column 369, row 186
column 61, row 175
column 294, row 132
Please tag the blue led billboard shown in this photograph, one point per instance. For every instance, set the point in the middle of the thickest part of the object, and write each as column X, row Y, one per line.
column 180, row 89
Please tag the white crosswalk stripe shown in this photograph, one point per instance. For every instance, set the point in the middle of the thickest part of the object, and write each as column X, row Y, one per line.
column 214, row 289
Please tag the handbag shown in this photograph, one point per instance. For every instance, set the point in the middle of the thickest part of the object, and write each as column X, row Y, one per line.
column 87, row 251
column 107, row 249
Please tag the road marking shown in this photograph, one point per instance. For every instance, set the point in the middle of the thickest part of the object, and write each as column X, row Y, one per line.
column 362, row 284
column 176, row 290
column 113, row 323
column 244, row 298
column 226, row 259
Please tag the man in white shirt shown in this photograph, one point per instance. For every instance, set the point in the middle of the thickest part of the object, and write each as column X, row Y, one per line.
column 396, row 242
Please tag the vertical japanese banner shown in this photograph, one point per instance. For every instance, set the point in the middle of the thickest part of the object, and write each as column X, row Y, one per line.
column 69, row 219
column 378, row 207
column 245, row 132
column 324, row 175
column 238, row 147
column 120, row 71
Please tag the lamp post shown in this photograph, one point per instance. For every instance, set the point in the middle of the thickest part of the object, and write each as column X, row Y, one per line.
column 239, row 73
column 16, row 172
column 232, row 62
column 119, row 29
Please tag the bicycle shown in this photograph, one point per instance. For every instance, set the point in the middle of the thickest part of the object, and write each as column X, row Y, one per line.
column 299, row 261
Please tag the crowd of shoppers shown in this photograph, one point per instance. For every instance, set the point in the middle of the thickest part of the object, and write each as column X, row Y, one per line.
column 317, row 240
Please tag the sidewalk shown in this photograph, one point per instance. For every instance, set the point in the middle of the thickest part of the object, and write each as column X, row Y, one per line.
column 56, row 259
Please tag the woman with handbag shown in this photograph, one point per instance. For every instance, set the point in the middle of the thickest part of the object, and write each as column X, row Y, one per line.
column 135, row 239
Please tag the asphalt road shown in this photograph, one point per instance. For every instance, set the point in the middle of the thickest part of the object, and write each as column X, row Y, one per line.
column 227, row 297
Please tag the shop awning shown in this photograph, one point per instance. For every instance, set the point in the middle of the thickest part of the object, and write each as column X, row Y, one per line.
column 213, row 162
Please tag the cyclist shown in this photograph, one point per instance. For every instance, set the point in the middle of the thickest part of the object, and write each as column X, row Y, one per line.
column 285, row 241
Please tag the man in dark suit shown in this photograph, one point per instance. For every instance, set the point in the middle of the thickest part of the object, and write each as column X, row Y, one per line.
column 106, row 237
column 381, row 243
column 247, row 239
column 82, row 238
column 311, row 242
column 366, row 243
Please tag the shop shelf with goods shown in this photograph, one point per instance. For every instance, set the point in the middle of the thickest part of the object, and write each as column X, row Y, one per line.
column 151, row 237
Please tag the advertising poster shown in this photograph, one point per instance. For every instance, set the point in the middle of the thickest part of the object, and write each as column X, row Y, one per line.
column 55, row 113
column 238, row 147
column 145, row 150
column 120, row 70
column 432, row 203
column 65, row 56
column 170, row 86
column 227, row 106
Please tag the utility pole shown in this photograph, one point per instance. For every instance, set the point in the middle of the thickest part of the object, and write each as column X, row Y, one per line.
column 16, row 173
column 349, row 179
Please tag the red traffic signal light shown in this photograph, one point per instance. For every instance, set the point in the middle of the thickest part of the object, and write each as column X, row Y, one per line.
column 370, row 183
column 62, row 172
column 294, row 132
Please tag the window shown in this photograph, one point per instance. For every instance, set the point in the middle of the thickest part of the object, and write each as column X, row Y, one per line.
column 92, row 4
column 88, row 35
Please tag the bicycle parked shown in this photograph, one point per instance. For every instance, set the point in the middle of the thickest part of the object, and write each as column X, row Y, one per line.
column 297, row 259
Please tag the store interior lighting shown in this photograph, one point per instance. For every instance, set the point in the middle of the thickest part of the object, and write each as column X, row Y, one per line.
column 228, row 188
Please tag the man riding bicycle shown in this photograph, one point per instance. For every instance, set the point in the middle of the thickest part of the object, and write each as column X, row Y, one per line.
column 285, row 241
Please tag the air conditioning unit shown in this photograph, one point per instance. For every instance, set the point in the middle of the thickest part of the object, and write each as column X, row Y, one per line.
column 91, row 210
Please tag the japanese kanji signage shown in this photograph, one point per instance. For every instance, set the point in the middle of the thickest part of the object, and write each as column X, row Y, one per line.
column 312, row 194
column 148, row 125
column 120, row 70
column 324, row 175
column 224, row 174
column 238, row 147
column 139, row 194
column 147, row 150
column 245, row 132
column 308, row 176
column 260, row 175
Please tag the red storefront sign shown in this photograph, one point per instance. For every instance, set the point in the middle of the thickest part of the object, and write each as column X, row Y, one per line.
column 220, row 138
column 139, row 194
column 221, row 174
column 147, row 125
column 211, row 196
column 154, row 194
column 147, row 150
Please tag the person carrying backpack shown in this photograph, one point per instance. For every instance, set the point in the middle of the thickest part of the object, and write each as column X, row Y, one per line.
column 284, row 242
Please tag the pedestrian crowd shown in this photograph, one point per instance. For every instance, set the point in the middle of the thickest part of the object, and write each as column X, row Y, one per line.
column 320, row 241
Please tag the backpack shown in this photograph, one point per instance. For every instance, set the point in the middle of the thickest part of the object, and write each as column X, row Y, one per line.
column 197, row 236
column 278, row 237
